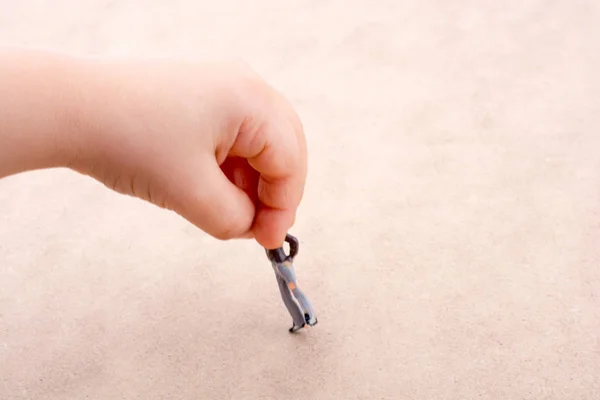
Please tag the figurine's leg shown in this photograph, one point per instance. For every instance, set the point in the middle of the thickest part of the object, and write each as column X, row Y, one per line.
column 288, row 273
column 310, row 316
column 293, row 307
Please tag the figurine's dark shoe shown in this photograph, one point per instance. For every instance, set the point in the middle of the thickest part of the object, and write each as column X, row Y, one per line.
column 310, row 322
column 296, row 328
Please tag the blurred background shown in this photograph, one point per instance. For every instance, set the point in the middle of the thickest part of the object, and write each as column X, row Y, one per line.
column 449, row 234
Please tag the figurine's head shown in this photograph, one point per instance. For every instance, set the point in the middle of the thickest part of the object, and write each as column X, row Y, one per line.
column 279, row 256
column 276, row 255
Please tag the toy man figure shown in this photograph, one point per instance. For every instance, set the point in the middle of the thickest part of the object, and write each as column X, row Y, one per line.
column 294, row 299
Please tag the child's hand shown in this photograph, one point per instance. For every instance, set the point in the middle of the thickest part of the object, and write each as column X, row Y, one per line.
column 212, row 142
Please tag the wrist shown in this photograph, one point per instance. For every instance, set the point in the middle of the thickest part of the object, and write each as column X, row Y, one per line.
column 37, row 107
column 89, row 141
column 102, row 113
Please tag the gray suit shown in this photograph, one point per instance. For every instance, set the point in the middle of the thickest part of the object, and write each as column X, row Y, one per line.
column 294, row 299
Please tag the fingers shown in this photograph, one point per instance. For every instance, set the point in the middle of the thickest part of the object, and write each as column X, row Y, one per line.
column 275, row 147
column 216, row 205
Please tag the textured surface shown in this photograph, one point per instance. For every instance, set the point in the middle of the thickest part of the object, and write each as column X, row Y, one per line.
column 450, row 233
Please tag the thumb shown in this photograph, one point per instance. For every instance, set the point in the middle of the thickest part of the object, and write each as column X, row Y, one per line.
column 216, row 205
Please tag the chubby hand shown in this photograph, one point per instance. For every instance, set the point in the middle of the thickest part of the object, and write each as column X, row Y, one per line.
column 212, row 142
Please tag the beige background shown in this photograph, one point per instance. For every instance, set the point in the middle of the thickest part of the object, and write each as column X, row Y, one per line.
column 449, row 233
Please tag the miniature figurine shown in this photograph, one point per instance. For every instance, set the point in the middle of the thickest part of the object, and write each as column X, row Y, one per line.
column 294, row 299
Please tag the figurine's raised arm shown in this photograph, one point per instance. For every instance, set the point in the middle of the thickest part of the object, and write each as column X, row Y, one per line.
column 294, row 245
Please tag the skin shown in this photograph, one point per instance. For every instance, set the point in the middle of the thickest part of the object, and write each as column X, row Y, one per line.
column 211, row 141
